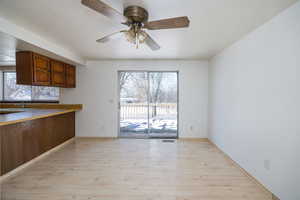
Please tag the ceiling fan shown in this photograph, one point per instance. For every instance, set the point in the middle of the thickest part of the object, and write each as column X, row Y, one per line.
column 136, row 18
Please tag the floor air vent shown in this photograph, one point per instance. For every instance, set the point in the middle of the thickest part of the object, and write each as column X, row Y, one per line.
column 168, row 141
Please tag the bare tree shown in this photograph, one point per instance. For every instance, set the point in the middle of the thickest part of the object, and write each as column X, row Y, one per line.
column 14, row 91
column 140, row 81
column 155, row 90
column 124, row 76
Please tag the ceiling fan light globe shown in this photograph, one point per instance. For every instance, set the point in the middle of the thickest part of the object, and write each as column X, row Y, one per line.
column 130, row 37
column 142, row 36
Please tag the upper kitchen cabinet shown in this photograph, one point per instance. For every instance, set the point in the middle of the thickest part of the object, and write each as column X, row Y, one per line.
column 58, row 73
column 70, row 76
column 32, row 69
column 38, row 70
column 41, row 70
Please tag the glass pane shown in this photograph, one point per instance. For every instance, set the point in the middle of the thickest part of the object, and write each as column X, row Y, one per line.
column 45, row 93
column 133, row 104
column 163, row 104
column 14, row 92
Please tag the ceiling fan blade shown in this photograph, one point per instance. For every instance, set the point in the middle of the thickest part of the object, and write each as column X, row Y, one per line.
column 110, row 37
column 105, row 10
column 177, row 22
column 151, row 43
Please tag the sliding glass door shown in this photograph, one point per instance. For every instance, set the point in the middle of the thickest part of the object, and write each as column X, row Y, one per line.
column 148, row 104
column 162, row 104
column 133, row 104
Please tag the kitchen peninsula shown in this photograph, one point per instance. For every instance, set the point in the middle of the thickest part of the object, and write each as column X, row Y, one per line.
column 28, row 131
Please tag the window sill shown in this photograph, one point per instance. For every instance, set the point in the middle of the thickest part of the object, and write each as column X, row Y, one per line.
column 29, row 101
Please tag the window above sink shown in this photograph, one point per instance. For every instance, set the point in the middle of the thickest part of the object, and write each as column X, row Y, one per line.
column 11, row 92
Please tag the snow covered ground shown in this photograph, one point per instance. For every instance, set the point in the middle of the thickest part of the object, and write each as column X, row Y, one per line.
column 156, row 125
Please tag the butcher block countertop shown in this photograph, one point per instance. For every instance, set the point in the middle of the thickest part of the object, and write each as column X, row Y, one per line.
column 16, row 115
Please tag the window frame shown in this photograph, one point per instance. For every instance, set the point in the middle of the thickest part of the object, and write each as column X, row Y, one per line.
column 3, row 100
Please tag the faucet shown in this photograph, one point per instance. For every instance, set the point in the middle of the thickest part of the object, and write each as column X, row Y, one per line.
column 23, row 105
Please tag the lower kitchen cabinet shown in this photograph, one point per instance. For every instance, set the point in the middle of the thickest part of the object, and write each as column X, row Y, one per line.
column 23, row 141
column 31, row 141
column 12, row 147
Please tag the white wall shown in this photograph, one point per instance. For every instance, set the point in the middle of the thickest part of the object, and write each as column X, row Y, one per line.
column 1, row 85
column 97, row 90
column 255, row 103
column 27, row 40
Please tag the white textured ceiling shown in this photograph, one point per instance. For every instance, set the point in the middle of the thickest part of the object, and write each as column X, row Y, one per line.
column 215, row 24
column 7, row 49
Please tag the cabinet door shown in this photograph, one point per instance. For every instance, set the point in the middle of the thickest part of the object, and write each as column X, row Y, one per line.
column 47, row 127
column 64, row 128
column 70, row 76
column 12, row 147
column 59, row 133
column 31, row 139
column 24, row 67
column 58, row 75
column 41, row 70
column 70, row 121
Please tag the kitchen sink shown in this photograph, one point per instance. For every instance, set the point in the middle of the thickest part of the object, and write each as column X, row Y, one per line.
column 4, row 111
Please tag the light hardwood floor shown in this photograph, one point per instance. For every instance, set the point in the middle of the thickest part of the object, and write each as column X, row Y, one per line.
column 95, row 169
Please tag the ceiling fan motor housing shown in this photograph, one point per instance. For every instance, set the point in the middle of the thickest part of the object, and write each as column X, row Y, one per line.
column 136, row 14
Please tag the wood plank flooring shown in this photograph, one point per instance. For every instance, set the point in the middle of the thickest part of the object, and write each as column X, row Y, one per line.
column 120, row 169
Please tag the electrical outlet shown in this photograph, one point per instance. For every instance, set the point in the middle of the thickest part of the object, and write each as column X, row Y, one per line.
column 267, row 164
column 191, row 128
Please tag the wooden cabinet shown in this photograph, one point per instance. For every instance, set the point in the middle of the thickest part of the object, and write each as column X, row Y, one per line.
column 58, row 75
column 31, row 139
column 46, row 139
column 24, row 68
column 41, row 70
column 35, row 69
column 12, row 147
column 62, row 134
column 70, row 76
column 25, row 141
